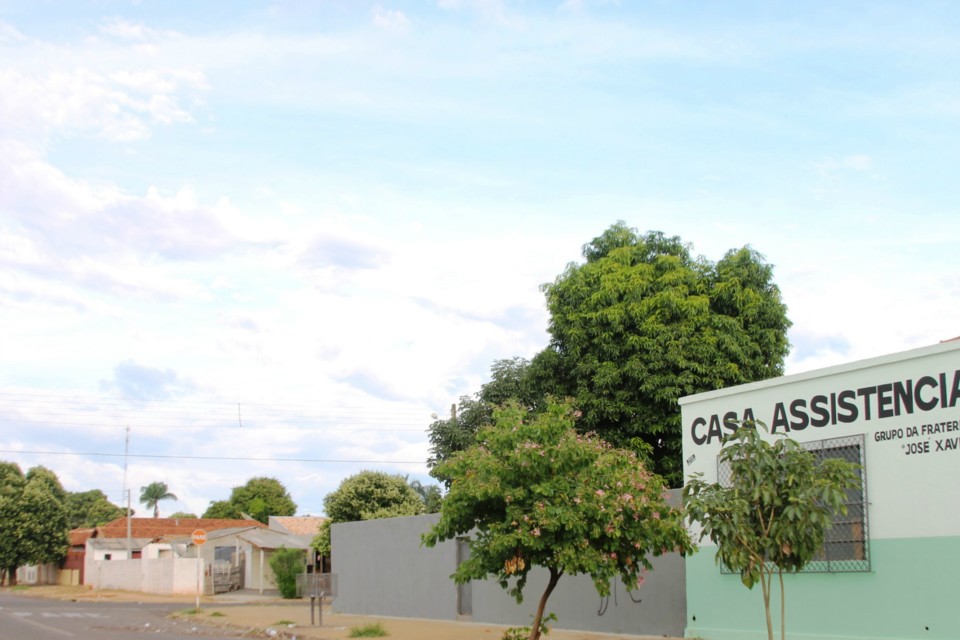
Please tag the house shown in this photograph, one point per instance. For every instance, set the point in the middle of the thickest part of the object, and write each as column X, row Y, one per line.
column 68, row 572
column 154, row 555
column 259, row 545
column 71, row 572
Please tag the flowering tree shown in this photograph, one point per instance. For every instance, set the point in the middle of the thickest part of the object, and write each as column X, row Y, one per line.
column 537, row 493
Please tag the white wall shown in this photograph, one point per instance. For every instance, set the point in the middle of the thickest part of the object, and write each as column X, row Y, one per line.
column 912, row 452
column 167, row 576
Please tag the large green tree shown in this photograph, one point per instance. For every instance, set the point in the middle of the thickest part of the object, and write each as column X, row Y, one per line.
column 637, row 325
column 643, row 322
column 153, row 493
column 772, row 516
column 535, row 492
column 12, row 483
column 34, row 523
column 367, row 495
column 91, row 508
column 259, row 498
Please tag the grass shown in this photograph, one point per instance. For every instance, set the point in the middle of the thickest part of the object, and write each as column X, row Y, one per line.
column 217, row 614
column 284, row 623
column 374, row 630
column 192, row 611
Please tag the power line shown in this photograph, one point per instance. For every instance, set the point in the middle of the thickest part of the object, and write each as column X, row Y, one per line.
column 358, row 427
column 226, row 458
column 225, row 404
column 62, row 410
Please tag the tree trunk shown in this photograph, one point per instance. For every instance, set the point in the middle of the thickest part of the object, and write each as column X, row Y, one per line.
column 765, row 583
column 554, row 578
column 783, row 609
column 12, row 577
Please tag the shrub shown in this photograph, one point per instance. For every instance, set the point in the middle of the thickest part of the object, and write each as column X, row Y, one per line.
column 287, row 564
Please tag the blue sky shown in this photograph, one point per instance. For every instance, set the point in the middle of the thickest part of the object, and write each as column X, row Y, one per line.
column 323, row 221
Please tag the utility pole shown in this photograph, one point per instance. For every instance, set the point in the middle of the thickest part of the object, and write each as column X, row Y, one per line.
column 126, row 451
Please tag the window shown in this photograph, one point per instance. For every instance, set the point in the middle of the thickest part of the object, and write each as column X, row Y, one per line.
column 846, row 546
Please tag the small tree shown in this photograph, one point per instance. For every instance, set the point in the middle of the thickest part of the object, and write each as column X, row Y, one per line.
column 287, row 564
column 367, row 495
column 540, row 494
column 430, row 494
column 774, row 515
column 259, row 498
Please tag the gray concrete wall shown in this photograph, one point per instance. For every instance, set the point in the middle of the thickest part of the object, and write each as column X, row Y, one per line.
column 383, row 570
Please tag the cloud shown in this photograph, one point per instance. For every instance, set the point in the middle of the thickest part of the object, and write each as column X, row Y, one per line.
column 136, row 382
column 389, row 20
column 64, row 229
column 129, row 30
column 10, row 34
column 858, row 162
column 329, row 250
column 122, row 106
column 372, row 383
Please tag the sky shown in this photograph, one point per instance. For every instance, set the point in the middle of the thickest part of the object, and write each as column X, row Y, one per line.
column 274, row 238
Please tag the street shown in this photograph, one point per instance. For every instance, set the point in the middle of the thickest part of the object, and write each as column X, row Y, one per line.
column 23, row 618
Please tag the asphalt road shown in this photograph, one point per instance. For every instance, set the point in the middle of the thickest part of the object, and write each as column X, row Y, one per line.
column 23, row 618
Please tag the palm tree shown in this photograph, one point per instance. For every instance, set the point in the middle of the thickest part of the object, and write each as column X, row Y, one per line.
column 153, row 493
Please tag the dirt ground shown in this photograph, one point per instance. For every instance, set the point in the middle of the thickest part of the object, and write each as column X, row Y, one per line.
column 292, row 618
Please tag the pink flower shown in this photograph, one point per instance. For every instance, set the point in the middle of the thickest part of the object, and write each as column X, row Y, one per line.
column 656, row 515
column 536, row 532
column 600, row 492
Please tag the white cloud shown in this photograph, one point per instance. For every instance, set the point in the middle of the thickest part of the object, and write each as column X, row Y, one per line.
column 122, row 107
column 391, row 20
column 129, row 30
column 830, row 165
column 10, row 34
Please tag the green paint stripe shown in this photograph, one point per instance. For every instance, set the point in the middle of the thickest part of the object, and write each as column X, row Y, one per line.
column 910, row 594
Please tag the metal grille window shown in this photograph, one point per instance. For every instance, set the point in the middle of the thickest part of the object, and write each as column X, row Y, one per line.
column 224, row 554
column 846, row 547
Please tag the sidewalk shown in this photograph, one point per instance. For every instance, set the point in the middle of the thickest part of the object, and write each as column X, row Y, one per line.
column 249, row 610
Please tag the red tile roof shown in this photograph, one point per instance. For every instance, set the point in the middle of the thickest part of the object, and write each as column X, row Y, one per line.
column 78, row 537
column 158, row 527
